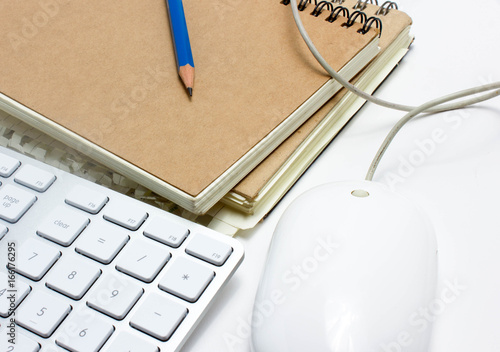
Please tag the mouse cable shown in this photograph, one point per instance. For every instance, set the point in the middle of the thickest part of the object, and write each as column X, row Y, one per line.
column 433, row 106
column 335, row 75
column 410, row 115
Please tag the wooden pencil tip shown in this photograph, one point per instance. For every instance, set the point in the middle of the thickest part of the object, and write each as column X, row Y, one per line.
column 190, row 91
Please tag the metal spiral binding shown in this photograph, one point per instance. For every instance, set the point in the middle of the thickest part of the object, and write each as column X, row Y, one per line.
column 367, row 22
column 303, row 4
column 319, row 8
column 386, row 7
column 336, row 13
column 353, row 17
column 361, row 5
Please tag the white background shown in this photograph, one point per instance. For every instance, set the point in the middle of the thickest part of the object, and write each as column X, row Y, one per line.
column 456, row 181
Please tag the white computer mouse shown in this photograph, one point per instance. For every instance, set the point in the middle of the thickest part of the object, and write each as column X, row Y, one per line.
column 352, row 267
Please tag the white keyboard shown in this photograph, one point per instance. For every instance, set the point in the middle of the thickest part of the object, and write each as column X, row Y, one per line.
column 84, row 268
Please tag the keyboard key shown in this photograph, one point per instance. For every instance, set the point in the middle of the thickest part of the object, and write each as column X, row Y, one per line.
column 98, row 258
column 14, row 203
column 72, row 276
column 86, row 199
column 186, row 279
column 3, row 231
column 143, row 259
column 102, row 243
column 126, row 342
column 158, row 316
column 114, row 295
column 84, row 333
column 63, row 225
column 208, row 249
column 127, row 214
column 9, row 294
column 23, row 344
column 35, row 178
column 41, row 313
column 8, row 165
column 166, row 231
column 35, row 258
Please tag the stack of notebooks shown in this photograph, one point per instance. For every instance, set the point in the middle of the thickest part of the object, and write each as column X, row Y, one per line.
column 102, row 78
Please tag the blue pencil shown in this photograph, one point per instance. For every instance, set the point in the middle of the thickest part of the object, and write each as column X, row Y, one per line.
column 185, row 63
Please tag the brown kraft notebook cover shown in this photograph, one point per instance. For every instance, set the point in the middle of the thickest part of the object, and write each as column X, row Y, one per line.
column 101, row 76
column 394, row 22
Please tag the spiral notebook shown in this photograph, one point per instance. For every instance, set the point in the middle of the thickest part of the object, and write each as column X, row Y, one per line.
column 394, row 42
column 101, row 77
column 255, row 196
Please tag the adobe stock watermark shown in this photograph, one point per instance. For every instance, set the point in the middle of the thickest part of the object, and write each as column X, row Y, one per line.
column 30, row 26
column 147, row 82
column 292, row 279
column 420, row 321
column 81, row 322
column 11, row 294
column 425, row 148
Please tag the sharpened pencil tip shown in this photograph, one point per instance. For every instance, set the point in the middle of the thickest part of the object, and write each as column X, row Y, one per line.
column 190, row 91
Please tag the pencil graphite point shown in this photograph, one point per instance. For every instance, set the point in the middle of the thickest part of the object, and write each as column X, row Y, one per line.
column 190, row 91
column 186, row 73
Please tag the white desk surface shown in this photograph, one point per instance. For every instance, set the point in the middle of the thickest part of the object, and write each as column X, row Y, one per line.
column 457, row 181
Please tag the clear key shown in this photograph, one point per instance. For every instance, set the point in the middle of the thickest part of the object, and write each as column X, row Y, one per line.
column 63, row 225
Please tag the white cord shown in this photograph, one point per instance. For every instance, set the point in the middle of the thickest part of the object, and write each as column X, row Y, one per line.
column 334, row 74
column 408, row 117
column 436, row 105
